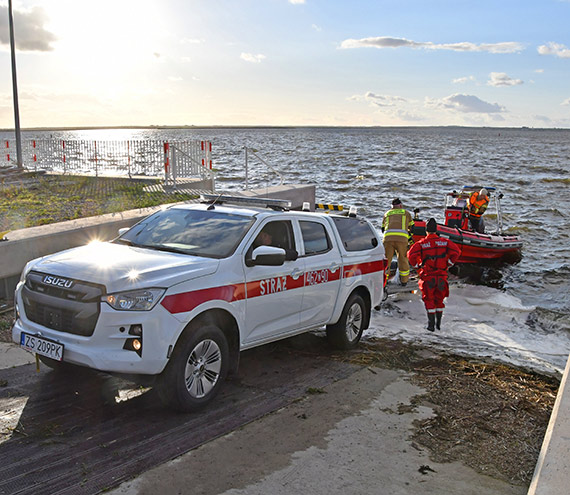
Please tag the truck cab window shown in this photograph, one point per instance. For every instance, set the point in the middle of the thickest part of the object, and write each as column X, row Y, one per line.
column 315, row 238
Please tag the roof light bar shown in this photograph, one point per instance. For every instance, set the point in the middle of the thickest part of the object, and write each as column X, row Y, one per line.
column 280, row 204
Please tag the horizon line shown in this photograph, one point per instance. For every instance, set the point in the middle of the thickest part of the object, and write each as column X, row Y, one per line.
column 262, row 126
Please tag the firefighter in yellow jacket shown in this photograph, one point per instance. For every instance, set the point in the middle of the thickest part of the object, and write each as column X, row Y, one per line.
column 396, row 225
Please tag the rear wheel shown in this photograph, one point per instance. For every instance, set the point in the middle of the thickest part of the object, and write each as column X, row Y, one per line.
column 196, row 368
column 346, row 333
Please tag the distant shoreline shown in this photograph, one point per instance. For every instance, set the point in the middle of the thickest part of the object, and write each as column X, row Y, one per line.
column 171, row 127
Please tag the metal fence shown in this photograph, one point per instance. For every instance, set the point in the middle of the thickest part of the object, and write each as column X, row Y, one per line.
column 163, row 159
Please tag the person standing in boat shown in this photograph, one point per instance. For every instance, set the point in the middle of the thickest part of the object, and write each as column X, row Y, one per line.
column 433, row 256
column 478, row 202
column 396, row 226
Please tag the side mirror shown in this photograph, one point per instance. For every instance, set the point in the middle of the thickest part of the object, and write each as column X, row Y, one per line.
column 266, row 256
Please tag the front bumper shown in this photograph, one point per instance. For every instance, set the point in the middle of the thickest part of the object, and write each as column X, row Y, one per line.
column 103, row 350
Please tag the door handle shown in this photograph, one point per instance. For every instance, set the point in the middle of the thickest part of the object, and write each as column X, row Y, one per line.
column 296, row 273
column 334, row 267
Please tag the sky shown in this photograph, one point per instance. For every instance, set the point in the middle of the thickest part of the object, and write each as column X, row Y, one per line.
column 501, row 63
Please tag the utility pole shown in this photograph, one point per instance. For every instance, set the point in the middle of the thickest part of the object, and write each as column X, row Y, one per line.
column 15, row 89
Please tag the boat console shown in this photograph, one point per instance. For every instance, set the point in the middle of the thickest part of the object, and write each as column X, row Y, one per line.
column 456, row 210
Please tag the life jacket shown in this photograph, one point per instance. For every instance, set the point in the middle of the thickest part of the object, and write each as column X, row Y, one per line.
column 433, row 255
column 477, row 205
column 397, row 222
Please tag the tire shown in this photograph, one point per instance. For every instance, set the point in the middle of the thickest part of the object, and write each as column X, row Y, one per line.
column 346, row 333
column 196, row 370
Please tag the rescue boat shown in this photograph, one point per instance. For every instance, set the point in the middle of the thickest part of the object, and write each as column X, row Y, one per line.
column 475, row 247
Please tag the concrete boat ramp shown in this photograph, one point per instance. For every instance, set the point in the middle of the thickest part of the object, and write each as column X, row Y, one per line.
column 295, row 420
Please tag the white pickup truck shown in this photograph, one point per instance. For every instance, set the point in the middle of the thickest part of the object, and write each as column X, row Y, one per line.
column 176, row 297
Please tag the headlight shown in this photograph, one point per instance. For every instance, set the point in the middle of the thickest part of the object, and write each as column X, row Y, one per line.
column 134, row 300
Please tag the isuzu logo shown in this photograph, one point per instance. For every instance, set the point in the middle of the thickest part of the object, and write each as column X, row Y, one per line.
column 57, row 281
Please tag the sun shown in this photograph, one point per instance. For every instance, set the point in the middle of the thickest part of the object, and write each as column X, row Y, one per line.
column 105, row 42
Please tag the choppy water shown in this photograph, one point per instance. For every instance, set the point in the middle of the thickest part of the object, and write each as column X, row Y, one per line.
column 368, row 167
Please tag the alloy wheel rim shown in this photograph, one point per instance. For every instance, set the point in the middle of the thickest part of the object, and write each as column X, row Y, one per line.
column 203, row 368
column 353, row 322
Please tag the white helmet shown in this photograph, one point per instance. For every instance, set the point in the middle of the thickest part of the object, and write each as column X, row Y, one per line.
column 483, row 192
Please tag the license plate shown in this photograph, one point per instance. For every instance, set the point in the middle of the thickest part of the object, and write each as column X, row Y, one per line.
column 42, row 346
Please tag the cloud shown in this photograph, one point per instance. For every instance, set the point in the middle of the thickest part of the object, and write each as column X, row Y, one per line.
column 556, row 49
column 29, row 28
column 464, row 46
column 250, row 57
column 465, row 104
column 539, row 71
column 500, row 79
column 409, row 117
column 297, row 2
column 318, row 29
column 543, row 118
column 566, row 102
column 462, row 80
column 379, row 100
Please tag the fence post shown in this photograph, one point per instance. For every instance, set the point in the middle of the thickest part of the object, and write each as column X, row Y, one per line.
column 64, row 164
column 173, row 166
column 34, row 155
column 96, row 162
column 166, row 162
column 129, row 159
column 209, row 154
column 245, row 167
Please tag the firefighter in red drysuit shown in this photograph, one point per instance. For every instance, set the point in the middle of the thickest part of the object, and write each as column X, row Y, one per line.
column 433, row 255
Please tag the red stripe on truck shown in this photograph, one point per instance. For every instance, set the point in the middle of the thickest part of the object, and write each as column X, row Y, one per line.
column 187, row 301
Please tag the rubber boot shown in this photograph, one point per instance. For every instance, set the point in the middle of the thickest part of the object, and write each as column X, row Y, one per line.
column 431, row 322
column 438, row 316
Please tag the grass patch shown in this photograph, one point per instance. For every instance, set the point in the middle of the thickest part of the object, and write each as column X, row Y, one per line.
column 41, row 200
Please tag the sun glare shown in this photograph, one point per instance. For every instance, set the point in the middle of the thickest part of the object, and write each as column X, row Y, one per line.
column 106, row 40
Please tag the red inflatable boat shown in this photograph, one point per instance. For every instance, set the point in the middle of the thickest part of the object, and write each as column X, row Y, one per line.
column 475, row 247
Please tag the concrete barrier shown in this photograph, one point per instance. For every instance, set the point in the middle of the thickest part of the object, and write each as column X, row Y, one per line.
column 552, row 472
column 26, row 244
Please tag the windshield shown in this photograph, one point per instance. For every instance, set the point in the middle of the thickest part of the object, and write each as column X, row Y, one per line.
column 207, row 233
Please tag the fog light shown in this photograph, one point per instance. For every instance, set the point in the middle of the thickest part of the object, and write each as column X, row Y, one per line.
column 134, row 345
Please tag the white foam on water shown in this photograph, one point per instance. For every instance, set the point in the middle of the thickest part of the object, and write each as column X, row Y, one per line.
column 477, row 321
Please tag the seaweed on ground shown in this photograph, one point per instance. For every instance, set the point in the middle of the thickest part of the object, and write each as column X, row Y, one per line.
column 490, row 416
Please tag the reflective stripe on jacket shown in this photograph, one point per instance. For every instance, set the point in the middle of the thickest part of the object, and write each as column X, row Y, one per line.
column 435, row 255
column 398, row 222
column 477, row 206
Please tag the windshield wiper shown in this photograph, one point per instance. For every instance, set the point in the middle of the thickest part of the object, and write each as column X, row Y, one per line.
column 124, row 241
column 168, row 249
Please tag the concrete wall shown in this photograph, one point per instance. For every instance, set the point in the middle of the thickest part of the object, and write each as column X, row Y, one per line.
column 26, row 244
column 552, row 472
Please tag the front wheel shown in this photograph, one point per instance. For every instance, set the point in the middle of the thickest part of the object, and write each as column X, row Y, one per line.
column 346, row 333
column 196, row 369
